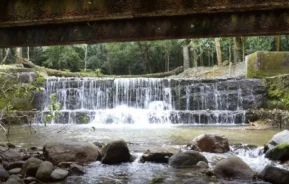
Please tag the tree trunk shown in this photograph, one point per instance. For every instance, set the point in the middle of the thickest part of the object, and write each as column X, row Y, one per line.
column 19, row 52
column 58, row 73
column 28, row 55
column 186, row 56
column 218, row 50
column 7, row 51
column 237, row 49
column 278, row 42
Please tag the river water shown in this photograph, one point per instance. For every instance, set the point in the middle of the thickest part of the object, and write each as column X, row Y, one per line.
column 154, row 114
column 170, row 138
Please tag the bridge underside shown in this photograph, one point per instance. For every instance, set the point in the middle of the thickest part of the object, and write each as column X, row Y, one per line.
column 96, row 21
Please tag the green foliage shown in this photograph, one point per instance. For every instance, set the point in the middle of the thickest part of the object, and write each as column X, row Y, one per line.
column 54, row 109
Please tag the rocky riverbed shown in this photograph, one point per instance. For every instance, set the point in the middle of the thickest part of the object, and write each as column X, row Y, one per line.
column 208, row 158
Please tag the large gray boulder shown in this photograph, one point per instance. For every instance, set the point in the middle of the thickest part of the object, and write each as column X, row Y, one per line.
column 80, row 152
column 275, row 175
column 44, row 171
column 115, row 152
column 233, row 168
column 279, row 138
column 31, row 166
column 188, row 159
column 212, row 143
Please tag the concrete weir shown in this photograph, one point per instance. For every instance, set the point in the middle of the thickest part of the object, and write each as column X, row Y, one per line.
column 31, row 23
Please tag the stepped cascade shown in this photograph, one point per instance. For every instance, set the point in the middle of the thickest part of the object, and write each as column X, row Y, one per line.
column 152, row 101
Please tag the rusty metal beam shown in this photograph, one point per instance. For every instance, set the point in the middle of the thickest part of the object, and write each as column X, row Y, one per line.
column 36, row 12
column 267, row 22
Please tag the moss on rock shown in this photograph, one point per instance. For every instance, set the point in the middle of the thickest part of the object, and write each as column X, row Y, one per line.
column 280, row 153
column 267, row 64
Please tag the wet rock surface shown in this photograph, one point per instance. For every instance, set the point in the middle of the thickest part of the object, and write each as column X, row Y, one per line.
column 116, row 152
column 275, row 175
column 279, row 153
column 212, row 143
column 71, row 152
column 156, row 157
column 233, row 168
column 187, row 159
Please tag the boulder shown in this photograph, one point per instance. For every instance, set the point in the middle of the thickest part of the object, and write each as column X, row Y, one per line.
column 10, row 154
column 31, row 166
column 13, row 179
column 156, row 157
column 280, row 153
column 57, row 152
column 115, row 152
column 59, row 174
column 275, row 175
column 44, row 171
column 212, row 143
column 187, row 159
column 279, row 138
column 233, row 168
column 4, row 175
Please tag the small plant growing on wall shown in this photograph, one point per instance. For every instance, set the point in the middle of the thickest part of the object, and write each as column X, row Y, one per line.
column 54, row 110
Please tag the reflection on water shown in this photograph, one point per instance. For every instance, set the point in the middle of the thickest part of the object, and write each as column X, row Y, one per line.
column 153, row 137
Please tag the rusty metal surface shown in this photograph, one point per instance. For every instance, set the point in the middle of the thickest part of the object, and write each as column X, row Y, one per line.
column 266, row 22
column 35, row 12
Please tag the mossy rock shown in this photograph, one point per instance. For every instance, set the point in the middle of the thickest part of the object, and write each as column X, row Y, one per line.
column 278, row 92
column 279, row 153
column 267, row 64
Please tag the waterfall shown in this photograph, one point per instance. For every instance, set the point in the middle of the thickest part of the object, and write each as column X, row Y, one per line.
column 152, row 101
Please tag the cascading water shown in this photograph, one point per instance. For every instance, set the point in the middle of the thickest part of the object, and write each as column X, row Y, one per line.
column 153, row 101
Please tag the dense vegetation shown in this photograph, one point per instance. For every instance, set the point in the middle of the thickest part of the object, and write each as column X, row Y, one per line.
column 145, row 57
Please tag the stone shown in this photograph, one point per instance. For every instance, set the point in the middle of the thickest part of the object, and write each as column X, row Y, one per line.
column 212, row 143
column 279, row 153
column 274, row 175
column 13, row 165
column 80, row 152
column 65, row 165
column 31, row 166
column 4, row 175
column 187, row 159
column 279, row 138
column 156, row 157
column 10, row 154
column 115, row 152
column 29, row 179
column 77, row 169
column 44, row 171
column 59, row 174
column 13, row 179
column 233, row 168
column 202, row 164
column 15, row 171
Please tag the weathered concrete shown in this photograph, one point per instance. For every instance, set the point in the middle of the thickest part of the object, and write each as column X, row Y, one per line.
column 267, row 64
column 31, row 23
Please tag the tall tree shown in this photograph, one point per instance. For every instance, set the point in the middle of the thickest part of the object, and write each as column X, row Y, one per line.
column 237, row 49
column 218, row 50
column 186, row 54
